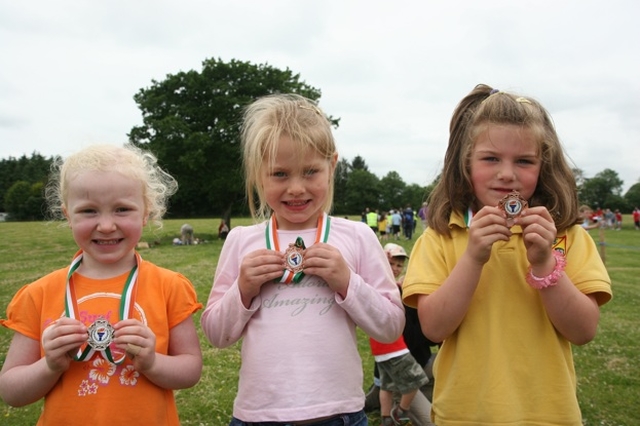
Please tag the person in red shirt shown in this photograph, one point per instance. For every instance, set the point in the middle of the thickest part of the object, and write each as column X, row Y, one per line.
column 398, row 369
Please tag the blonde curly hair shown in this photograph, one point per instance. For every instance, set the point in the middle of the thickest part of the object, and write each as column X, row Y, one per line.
column 128, row 160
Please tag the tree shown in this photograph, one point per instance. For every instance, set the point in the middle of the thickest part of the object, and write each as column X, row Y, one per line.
column 27, row 169
column 358, row 163
column 362, row 191
column 416, row 195
column 632, row 197
column 392, row 189
column 602, row 190
column 25, row 201
column 191, row 122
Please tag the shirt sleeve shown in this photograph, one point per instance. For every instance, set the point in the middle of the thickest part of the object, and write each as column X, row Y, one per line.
column 23, row 315
column 225, row 317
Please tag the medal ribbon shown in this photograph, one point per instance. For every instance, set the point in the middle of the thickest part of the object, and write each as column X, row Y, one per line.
column 126, row 306
column 271, row 234
column 468, row 217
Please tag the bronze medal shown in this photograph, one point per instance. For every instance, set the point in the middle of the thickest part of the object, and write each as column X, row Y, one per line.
column 513, row 204
column 100, row 334
column 293, row 258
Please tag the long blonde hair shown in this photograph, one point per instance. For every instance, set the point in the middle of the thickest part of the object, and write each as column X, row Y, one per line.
column 266, row 120
column 556, row 188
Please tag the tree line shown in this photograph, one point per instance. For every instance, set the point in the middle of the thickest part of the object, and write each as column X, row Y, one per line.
column 22, row 183
column 190, row 121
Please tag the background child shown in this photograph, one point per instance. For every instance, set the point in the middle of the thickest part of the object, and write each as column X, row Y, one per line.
column 586, row 215
column 186, row 234
column 618, row 218
column 109, row 294
column 300, row 360
column 397, row 369
column 507, row 295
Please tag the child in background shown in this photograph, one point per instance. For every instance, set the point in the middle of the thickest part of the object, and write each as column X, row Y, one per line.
column 382, row 226
column 397, row 370
column 223, row 230
column 507, row 294
column 586, row 215
column 618, row 219
column 295, row 286
column 112, row 332
column 186, row 234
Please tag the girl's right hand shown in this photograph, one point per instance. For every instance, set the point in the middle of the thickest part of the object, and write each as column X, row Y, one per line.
column 61, row 341
column 488, row 226
column 256, row 269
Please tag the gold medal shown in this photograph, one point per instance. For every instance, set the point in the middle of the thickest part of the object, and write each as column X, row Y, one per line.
column 100, row 334
column 513, row 204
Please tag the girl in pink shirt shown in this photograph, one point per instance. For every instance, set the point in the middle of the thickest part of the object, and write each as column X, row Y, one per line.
column 295, row 286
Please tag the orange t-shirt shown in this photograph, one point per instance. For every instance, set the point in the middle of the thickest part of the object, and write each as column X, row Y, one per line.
column 97, row 392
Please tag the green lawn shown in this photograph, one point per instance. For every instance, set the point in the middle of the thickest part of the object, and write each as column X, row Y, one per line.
column 608, row 368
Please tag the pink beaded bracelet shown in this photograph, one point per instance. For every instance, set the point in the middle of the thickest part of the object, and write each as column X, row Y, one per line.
column 551, row 279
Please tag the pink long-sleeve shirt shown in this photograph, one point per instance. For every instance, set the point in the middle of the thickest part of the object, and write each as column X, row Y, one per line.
column 300, row 357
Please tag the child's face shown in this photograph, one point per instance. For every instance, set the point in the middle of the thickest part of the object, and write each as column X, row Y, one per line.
column 296, row 189
column 504, row 158
column 106, row 213
column 397, row 265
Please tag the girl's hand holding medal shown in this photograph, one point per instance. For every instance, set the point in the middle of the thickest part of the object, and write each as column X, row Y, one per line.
column 138, row 341
column 488, row 226
column 539, row 233
column 326, row 261
column 60, row 340
column 258, row 268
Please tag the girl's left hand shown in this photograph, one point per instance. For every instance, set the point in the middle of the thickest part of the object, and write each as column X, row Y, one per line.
column 138, row 341
column 539, row 232
column 326, row 261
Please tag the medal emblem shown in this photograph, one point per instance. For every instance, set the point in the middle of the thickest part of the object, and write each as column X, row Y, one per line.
column 293, row 256
column 513, row 204
column 100, row 334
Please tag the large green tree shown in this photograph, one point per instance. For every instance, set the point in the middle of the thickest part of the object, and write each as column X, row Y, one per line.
column 191, row 121
column 602, row 190
column 362, row 190
column 392, row 189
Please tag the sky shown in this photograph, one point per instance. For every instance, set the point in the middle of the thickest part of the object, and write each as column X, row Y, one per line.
column 392, row 71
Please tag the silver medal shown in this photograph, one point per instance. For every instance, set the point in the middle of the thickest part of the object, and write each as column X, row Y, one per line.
column 100, row 334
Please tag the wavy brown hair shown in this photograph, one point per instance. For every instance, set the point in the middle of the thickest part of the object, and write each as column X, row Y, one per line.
column 556, row 188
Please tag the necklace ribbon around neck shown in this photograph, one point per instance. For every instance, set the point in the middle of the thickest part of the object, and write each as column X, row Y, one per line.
column 101, row 332
column 293, row 272
column 468, row 217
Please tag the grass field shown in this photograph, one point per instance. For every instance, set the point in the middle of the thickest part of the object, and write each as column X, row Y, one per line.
column 608, row 368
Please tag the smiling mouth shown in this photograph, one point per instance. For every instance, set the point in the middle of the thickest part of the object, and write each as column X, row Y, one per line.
column 296, row 203
column 106, row 242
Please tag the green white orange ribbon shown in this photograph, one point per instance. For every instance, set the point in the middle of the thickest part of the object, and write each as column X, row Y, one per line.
column 126, row 306
column 271, row 234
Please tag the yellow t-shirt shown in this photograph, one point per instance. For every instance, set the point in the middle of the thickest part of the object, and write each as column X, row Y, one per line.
column 97, row 392
column 505, row 364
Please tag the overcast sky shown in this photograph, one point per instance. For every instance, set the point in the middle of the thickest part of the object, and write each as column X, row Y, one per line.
column 392, row 71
